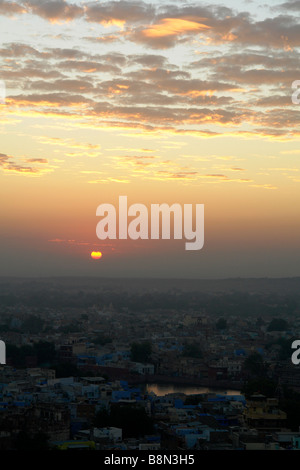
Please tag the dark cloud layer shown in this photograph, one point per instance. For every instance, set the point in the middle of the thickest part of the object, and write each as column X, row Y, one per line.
column 244, row 80
column 55, row 10
column 10, row 8
column 165, row 26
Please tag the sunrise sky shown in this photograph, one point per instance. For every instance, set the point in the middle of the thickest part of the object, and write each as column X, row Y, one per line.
column 164, row 102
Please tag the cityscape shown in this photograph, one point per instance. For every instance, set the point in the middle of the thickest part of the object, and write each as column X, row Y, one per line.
column 156, row 365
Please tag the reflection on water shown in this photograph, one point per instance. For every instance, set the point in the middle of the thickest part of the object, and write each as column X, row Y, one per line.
column 163, row 389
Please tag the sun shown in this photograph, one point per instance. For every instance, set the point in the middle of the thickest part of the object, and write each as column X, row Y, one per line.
column 96, row 254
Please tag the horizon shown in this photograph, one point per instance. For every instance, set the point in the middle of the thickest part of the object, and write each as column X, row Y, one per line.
column 77, row 276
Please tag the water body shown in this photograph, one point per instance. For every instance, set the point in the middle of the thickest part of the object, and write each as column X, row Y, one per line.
column 164, row 389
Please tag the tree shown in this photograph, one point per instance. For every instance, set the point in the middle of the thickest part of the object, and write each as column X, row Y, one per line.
column 192, row 350
column 278, row 324
column 45, row 352
column 65, row 369
column 141, row 352
column 102, row 339
column 33, row 324
column 254, row 364
column 102, row 418
column 17, row 354
column 285, row 347
column 38, row 441
column 260, row 322
column 290, row 403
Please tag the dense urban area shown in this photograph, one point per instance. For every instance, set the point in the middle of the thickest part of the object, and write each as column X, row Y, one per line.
column 149, row 365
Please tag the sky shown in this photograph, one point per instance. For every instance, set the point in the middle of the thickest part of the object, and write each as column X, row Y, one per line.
column 162, row 102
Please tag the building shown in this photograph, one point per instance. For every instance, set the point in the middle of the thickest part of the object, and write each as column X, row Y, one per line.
column 263, row 414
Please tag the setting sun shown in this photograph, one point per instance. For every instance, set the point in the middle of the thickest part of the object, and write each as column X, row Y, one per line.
column 96, row 254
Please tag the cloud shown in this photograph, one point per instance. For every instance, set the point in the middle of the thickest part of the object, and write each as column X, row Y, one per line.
column 293, row 5
column 106, row 38
column 217, row 25
column 47, row 100
column 167, row 32
column 69, row 143
column 243, row 93
column 251, row 68
column 4, row 159
column 152, row 61
column 27, row 73
column 63, row 85
column 280, row 32
column 20, row 50
column 9, row 164
column 11, row 8
column 164, row 26
column 110, row 179
column 119, row 13
column 36, row 160
column 90, row 66
column 273, row 101
column 164, row 175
